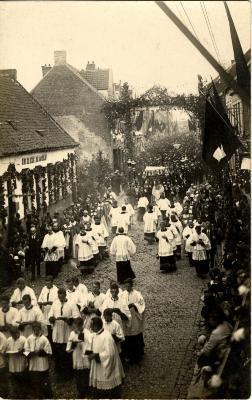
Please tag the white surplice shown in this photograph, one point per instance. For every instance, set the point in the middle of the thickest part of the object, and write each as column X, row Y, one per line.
column 115, row 329
column 80, row 360
column 36, row 343
column 84, row 244
column 123, row 222
column 47, row 295
column 102, row 233
column 61, row 329
column 165, row 243
column 18, row 295
column 30, row 315
column 17, row 361
column 122, row 247
column 108, row 373
column 121, row 303
column 136, row 325
column 150, row 222
column 8, row 318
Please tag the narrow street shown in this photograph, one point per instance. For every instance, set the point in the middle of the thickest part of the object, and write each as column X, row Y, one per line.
column 172, row 313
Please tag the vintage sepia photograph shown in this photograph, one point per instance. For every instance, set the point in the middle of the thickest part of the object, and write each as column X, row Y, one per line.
column 125, row 199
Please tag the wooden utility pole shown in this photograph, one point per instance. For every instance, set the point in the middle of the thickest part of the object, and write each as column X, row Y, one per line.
column 228, row 79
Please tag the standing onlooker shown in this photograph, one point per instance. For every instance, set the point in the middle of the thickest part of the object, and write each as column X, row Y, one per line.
column 33, row 252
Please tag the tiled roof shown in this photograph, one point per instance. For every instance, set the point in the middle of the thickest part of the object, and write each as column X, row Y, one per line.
column 99, row 78
column 59, row 73
column 25, row 126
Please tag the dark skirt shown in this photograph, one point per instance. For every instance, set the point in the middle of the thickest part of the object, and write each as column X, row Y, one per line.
column 140, row 214
column 167, row 263
column 87, row 266
column 82, row 382
column 52, row 268
column 202, row 267
column 163, row 215
column 150, row 237
column 133, row 348
column 114, row 229
column 124, row 271
column 178, row 252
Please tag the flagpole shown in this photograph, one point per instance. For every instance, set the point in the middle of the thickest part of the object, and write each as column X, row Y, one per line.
column 225, row 76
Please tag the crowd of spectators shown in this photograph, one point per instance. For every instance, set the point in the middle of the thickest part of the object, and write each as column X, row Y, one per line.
column 223, row 364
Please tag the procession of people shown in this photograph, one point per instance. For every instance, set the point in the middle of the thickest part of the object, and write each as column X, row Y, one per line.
column 91, row 333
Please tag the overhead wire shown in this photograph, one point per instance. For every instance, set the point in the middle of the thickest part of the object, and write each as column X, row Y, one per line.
column 180, row 14
column 187, row 16
column 209, row 27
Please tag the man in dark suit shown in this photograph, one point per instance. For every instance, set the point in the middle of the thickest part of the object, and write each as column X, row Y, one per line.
column 33, row 252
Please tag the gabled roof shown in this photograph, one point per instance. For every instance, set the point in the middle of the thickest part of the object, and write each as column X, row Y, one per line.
column 25, row 127
column 76, row 73
column 99, row 78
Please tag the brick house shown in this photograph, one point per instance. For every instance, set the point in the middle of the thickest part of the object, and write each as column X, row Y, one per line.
column 37, row 157
column 76, row 104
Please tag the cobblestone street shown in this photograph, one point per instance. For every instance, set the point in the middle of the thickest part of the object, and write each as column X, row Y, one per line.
column 172, row 313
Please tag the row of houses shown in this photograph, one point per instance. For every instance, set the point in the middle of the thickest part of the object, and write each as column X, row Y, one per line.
column 43, row 133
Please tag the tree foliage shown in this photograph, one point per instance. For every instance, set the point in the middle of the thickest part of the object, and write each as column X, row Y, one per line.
column 93, row 176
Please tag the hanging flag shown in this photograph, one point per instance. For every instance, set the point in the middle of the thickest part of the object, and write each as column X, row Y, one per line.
column 242, row 71
column 139, row 121
column 217, row 103
column 151, row 122
column 219, row 140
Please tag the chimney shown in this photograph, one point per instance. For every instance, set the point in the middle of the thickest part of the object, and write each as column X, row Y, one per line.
column 90, row 66
column 45, row 69
column 60, row 57
column 10, row 73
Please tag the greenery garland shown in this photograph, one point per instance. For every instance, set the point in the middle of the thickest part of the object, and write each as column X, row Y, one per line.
column 50, row 183
column 3, row 212
column 60, row 177
column 25, row 188
column 154, row 97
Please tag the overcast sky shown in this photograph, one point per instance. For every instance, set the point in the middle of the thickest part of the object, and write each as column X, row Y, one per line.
column 135, row 39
